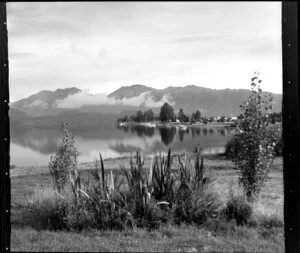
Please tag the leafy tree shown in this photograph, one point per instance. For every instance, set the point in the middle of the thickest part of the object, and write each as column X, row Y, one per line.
column 222, row 119
column 139, row 116
column 193, row 118
column 256, row 141
column 197, row 115
column 240, row 117
column 166, row 113
column 149, row 115
column 132, row 117
column 211, row 119
column 65, row 159
column 181, row 116
column 205, row 120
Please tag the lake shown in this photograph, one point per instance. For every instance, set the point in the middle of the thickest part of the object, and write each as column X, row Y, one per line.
column 35, row 146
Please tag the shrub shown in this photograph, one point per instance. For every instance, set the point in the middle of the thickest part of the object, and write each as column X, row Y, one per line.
column 154, row 216
column 106, row 203
column 46, row 209
column 197, row 209
column 238, row 209
column 270, row 222
column 233, row 146
column 137, row 184
column 192, row 175
column 161, row 181
column 194, row 202
column 64, row 161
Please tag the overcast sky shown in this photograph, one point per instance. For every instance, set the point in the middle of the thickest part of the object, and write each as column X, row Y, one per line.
column 103, row 46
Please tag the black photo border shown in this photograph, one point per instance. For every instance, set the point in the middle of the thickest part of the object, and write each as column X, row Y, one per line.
column 290, row 112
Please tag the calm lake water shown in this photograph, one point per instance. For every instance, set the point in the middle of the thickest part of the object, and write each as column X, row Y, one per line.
column 35, row 146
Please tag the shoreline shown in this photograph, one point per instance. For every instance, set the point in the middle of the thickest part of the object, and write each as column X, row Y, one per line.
column 215, row 161
column 155, row 124
column 109, row 163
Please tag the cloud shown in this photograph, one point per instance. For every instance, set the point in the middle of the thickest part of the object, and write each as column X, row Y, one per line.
column 84, row 98
column 104, row 45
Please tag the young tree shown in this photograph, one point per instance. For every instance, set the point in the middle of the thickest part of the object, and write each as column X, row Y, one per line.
column 65, row 159
column 256, row 141
column 166, row 113
column 132, row 118
column 139, row 116
column 197, row 116
column 205, row 120
column 149, row 115
column 181, row 116
column 193, row 118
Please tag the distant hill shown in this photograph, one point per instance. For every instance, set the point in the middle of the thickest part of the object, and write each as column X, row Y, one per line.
column 129, row 99
column 44, row 102
column 210, row 102
column 130, row 91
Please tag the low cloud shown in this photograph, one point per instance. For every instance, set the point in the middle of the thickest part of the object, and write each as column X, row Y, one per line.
column 84, row 98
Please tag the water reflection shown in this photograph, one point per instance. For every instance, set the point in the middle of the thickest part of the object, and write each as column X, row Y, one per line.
column 37, row 145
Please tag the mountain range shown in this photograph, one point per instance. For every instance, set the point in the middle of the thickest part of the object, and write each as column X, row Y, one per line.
column 128, row 99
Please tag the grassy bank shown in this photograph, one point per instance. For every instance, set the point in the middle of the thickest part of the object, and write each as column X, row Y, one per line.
column 166, row 239
column 263, row 234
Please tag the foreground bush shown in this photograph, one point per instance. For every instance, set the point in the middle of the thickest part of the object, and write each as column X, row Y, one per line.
column 197, row 209
column 238, row 209
column 46, row 209
column 195, row 203
column 145, row 199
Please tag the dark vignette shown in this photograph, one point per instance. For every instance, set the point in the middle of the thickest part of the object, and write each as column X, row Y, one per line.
column 290, row 111
column 4, row 134
column 290, row 124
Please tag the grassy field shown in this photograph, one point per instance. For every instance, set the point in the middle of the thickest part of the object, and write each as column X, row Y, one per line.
column 266, row 237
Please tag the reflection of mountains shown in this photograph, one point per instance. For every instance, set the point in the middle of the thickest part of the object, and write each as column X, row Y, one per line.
column 45, row 142
column 123, row 140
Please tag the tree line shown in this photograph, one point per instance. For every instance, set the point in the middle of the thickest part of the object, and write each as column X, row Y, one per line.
column 167, row 114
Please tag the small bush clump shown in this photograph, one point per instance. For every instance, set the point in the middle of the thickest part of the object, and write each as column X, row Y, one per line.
column 46, row 210
column 239, row 209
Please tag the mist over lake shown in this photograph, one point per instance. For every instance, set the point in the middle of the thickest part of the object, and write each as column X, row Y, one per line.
column 34, row 146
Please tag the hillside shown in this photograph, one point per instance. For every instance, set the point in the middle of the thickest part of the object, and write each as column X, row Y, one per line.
column 210, row 102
